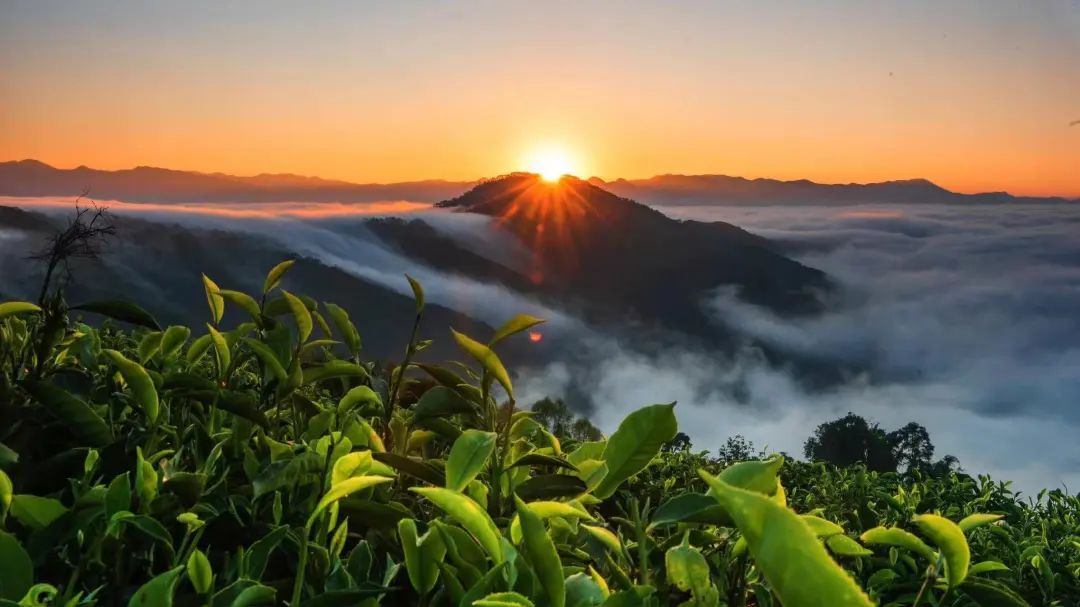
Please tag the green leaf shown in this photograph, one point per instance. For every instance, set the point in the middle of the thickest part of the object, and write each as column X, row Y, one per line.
column 487, row 359
column 268, row 358
column 441, row 401
column 422, row 555
column 148, row 526
column 221, row 349
column 605, row 537
column 637, row 441
column 243, row 301
column 822, row 527
column 418, row 293
column 9, row 308
column 468, row 457
column 258, row 594
column 977, row 520
column 350, row 465
column 540, row 460
column 948, row 537
column 992, row 592
column 149, row 346
column 158, row 592
column 842, row 545
column 287, row 473
column 214, row 299
column 894, row 536
column 517, row 324
column 509, row 599
column 549, row 486
column 244, row 405
column 198, row 348
column 342, row 489
column 786, row 551
column 188, row 486
column 138, row 380
column 300, row 314
column 75, row 415
column 146, row 480
column 124, row 311
column 332, row 370
column 542, row 554
column 36, row 512
column 592, row 472
column 118, row 495
column 362, row 397
column 583, row 591
column 16, row 568
column 273, row 278
column 690, row 508
column 256, row 557
column 469, row 514
column 987, row 567
column 756, row 475
column 174, row 339
column 687, row 569
column 345, row 327
column 7, row 493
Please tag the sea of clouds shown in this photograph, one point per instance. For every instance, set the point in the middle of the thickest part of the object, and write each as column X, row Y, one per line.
column 964, row 319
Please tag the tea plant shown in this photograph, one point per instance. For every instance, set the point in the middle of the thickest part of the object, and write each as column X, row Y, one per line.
column 265, row 461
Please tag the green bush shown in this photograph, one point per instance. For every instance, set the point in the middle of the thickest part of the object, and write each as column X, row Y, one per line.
column 267, row 462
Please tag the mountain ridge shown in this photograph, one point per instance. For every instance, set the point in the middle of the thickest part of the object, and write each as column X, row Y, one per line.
column 145, row 183
column 725, row 190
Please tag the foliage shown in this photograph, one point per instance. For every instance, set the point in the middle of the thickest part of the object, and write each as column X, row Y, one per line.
column 853, row 440
column 264, row 461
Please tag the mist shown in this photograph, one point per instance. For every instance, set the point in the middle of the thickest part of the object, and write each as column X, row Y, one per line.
column 963, row 319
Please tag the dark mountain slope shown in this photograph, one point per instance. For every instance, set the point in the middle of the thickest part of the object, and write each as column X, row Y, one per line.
column 590, row 245
column 159, row 267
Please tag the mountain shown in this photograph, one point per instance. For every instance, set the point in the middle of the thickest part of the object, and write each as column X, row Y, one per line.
column 591, row 246
column 603, row 264
column 151, row 184
column 726, row 190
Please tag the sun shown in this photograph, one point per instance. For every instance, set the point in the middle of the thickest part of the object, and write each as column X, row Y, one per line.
column 550, row 163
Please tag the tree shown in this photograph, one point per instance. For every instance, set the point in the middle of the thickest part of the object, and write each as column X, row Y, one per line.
column 556, row 416
column 911, row 447
column 738, row 449
column 851, row 440
column 681, row 442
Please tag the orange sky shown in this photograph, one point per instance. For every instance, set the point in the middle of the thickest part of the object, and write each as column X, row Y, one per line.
column 975, row 95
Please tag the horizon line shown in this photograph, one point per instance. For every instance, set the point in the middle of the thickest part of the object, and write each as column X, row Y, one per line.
column 1071, row 196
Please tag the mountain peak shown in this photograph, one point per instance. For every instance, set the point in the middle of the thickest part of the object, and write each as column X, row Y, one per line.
column 588, row 241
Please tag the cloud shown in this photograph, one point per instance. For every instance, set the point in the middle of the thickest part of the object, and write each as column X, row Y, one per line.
column 963, row 319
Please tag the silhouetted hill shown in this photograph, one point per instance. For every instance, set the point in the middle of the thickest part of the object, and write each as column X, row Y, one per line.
column 725, row 190
column 151, row 184
column 592, row 246
column 159, row 266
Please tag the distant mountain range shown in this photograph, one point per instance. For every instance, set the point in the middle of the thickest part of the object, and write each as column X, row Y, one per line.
column 151, row 184
column 725, row 190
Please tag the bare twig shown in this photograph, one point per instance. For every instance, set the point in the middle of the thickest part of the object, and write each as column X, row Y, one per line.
column 83, row 238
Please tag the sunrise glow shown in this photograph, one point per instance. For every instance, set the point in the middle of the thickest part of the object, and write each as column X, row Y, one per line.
column 550, row 163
